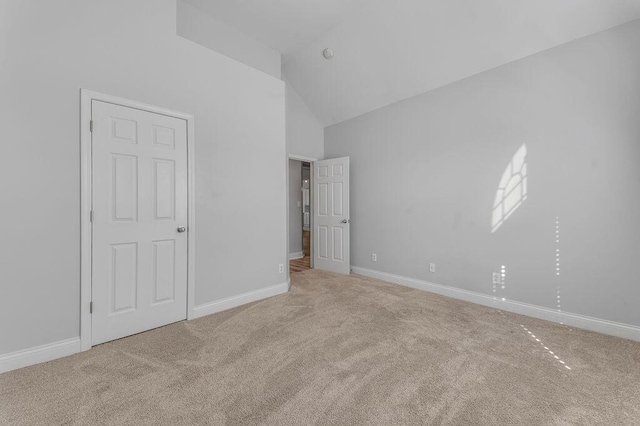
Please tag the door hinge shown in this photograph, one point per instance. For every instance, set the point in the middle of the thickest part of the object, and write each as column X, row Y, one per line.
column 91, row 126
column 91, row 216
column 90, row 307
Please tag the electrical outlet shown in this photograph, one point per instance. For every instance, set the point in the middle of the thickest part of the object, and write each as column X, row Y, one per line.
column 374, row 257
column 432, row 267
column 299, row 204
column 281, row 268
column 495, row 278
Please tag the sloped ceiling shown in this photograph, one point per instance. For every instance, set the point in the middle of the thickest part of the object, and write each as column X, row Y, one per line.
column 283, row 25
column 387, row 51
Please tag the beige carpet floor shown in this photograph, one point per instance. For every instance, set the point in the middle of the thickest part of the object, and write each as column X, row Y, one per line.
column 339, row 350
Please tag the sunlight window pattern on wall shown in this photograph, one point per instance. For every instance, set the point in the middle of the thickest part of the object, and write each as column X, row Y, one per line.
column 512, row 190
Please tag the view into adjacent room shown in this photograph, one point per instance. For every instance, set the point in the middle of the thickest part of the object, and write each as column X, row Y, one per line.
column 299, row 216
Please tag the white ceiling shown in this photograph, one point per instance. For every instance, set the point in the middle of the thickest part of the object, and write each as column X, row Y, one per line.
column 283, row 25
column 406, row 47
column 389, row 50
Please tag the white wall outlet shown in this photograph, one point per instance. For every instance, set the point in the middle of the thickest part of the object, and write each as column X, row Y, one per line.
column 374, row 257
column 281, row 268
column 299, row 204
column 495, row 278
column 432, row 267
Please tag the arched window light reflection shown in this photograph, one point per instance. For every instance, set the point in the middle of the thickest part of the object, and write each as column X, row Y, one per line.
column 512, row 190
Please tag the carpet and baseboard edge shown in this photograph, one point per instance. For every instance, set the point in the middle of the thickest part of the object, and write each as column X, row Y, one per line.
column 63, row 348
column 241, row 299
column 39, row 354
column 612, row 328
column 51, row 351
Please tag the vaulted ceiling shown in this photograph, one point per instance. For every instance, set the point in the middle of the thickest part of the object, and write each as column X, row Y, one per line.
column 283, row 25
column 386, row 51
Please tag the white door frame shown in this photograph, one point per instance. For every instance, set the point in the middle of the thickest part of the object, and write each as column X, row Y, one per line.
column 311, row 203
column 86, row 173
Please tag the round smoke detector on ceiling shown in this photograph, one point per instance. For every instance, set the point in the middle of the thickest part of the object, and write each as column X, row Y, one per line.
column 327, row 53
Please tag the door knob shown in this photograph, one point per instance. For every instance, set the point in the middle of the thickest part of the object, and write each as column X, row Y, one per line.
column 345, row 221
column 182, row 228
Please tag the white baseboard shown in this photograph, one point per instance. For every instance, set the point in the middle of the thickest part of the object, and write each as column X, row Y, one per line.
column 31, row 356
column 241, row 299
column 626, row 331
column 51, row 351
column 298, row 255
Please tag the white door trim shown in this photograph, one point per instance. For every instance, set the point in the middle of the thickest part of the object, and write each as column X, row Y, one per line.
column 86, row 172
column 302, row 158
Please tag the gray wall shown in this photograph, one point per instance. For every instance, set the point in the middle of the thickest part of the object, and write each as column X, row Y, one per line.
column 48, row 52
column 424, row 175
column 295, row 212
column 305, row 134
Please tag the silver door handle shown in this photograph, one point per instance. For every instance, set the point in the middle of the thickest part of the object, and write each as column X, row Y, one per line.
column 345, row 221
column 182, row 228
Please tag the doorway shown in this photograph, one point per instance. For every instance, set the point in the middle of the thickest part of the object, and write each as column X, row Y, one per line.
column 321, row 238
column 137, row 218
column 300, row 216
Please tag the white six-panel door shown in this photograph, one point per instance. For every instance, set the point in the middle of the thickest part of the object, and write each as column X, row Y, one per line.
column 331, row 215
column 139, row 248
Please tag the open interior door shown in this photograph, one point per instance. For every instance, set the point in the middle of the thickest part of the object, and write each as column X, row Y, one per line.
column 331, row 215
